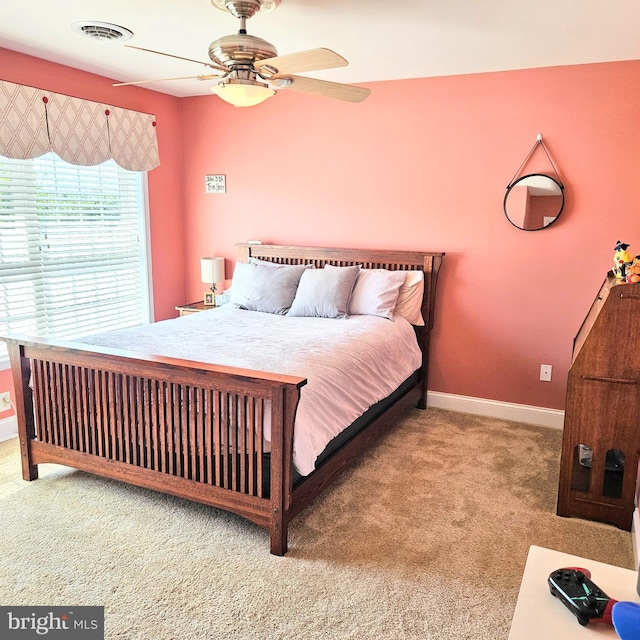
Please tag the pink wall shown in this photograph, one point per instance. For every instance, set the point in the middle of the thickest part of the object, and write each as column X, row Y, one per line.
column 424, row 164
column 6, row 385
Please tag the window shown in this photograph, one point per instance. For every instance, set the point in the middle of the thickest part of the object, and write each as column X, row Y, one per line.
column 72, row 248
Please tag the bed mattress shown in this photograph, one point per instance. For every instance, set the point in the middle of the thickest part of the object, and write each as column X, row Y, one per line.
column 350, row 364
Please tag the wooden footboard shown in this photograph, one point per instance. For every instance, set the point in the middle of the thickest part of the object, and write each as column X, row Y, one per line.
column 189, row 429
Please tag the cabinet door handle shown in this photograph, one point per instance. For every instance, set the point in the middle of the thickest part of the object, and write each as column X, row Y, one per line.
column 604, row 379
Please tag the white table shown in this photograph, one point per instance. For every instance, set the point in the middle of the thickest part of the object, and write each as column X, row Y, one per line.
column 541, row 616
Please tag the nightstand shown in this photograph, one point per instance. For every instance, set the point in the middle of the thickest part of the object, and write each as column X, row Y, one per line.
column 192, row 307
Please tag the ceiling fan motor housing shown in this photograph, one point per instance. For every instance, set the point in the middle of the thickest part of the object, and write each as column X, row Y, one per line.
column 240, row 49
column 245, row 8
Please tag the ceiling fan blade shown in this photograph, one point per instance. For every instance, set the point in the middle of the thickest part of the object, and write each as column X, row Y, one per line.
column 206, row 77
column 170, row 55
column 347, row 92
column 311, row 60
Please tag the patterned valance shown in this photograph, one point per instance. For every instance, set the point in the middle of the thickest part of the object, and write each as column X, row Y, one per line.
column 34, row 122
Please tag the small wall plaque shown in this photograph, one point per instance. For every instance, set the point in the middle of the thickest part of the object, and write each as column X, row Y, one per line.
column 215, row 184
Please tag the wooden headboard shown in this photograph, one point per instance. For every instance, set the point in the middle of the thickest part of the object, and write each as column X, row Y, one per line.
column 428, row 262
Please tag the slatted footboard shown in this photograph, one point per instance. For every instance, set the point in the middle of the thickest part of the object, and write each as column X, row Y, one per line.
column 189, row 429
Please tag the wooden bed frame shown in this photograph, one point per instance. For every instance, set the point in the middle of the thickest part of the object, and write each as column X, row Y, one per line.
column 168, row 424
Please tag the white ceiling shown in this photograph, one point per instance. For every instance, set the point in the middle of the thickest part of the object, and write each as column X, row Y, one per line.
column 382, row 39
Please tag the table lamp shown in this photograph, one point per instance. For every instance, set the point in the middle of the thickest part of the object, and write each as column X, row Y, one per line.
column 212, row 271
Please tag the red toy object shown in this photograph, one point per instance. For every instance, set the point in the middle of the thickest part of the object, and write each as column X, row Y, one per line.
column 574, row 588
column 607, row 613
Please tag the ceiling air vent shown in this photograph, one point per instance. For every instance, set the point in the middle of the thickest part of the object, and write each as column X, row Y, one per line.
column 103, row 31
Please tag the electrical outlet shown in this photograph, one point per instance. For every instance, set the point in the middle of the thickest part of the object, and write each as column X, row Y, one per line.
column 5, row 401
column 545, row 372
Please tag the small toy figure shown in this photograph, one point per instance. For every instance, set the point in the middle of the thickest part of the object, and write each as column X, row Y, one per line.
column 633, row 271
column 621, row 260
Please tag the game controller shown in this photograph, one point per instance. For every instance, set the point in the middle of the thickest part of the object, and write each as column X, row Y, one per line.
column 587, row 602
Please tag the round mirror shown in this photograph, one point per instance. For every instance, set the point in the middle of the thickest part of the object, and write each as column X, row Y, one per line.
column 533, row 202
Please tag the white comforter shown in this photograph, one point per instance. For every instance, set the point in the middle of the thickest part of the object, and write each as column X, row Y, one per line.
column 350, row 364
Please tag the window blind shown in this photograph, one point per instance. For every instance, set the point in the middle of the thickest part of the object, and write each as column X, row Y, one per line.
column 72, row 248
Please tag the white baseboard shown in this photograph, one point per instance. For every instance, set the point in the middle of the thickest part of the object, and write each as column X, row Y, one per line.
column 491, row 408
column 8, row 428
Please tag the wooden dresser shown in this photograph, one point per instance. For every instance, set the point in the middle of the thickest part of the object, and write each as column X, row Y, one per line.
column 601, row 439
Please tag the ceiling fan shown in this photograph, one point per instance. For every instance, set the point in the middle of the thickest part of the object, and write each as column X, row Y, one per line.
column 249, row 69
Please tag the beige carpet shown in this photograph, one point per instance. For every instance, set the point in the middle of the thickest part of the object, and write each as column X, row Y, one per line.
column 427, row 538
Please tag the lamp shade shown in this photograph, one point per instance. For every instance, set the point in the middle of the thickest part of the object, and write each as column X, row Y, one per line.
column 243, row 93
column 212, row 270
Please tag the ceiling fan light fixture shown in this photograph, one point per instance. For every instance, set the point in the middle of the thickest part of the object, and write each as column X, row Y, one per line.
column 242, row 93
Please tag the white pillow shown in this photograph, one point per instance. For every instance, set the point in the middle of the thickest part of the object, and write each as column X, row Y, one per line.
column 376, row 292
column 409, row 304
column 270, row 289
column 324, row 293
